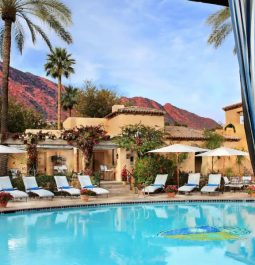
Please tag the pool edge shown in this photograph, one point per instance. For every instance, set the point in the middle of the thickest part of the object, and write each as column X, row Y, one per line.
column 93, row 205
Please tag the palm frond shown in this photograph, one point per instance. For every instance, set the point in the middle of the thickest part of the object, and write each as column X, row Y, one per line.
column 219, row 17
column 19, row 36
column 55, row 7
column 219, row 34
column 43, row 35
column 59, row 63
column 30, row 26
column 221, row 27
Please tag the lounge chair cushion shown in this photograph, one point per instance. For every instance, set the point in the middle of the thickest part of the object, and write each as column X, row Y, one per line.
column 6, row 185
column 193, row 182
column 86, row 183
column 159, row 183
column 32, row 187
column 187, row 188
column 18, row 194
column 62, row 185
column 98, row 191
column 211, row 188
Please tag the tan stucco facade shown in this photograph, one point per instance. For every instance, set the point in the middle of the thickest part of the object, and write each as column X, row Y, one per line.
column 115, row 158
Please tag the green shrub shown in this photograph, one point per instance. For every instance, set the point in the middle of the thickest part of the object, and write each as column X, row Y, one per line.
column 95, row 178
column 148, row 167
column 18, row 183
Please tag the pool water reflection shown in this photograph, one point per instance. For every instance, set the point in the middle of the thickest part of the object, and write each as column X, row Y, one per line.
column 127, row 235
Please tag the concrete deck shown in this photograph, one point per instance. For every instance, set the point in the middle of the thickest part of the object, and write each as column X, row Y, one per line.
column 59, row 202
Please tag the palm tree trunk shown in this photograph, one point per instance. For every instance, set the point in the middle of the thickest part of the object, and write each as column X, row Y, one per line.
column 5, row 85
column 70, row 112
column 59, row 103
column 5, row 79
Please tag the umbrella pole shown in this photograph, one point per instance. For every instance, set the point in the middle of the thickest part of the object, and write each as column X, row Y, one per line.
column 212, row 164
column 177, row 168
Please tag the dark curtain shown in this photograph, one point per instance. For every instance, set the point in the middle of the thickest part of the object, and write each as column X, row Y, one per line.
column 243, row 20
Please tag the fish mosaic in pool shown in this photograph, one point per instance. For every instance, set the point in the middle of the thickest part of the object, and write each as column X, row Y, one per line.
column 205, row 233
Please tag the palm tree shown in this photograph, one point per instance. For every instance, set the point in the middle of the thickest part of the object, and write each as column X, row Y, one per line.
column 59, row 63
column 16, row 14
column 70, row 98
column 221, row 26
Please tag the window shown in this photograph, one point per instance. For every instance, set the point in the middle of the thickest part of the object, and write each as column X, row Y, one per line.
column 241, row 118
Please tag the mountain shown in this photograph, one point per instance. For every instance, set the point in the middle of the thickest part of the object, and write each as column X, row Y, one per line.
column 33, row 91
column 174, row 115
column 40, row 94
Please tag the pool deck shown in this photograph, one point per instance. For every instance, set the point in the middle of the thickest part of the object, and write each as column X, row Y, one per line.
column 63, row 202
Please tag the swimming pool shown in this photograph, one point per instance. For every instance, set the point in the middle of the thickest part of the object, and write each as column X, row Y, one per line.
column 137, row 234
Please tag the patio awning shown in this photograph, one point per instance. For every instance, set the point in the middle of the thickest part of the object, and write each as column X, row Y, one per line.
column 105, row 146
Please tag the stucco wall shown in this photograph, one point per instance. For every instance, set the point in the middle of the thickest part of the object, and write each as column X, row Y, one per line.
column 113, row 125
column 72, row 122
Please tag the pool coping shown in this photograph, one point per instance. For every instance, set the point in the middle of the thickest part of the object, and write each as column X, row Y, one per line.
column 100, row 204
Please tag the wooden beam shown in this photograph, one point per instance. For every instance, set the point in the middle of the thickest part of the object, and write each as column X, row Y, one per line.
column 215, row 2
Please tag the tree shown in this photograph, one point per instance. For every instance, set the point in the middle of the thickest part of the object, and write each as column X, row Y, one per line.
column 59, row 64
column 22, row 118
column 140, row 138
column 221, row 27
column 96, row 102
column 15, row 15
column 70, row 99
column 213, row 139
column 85, row 138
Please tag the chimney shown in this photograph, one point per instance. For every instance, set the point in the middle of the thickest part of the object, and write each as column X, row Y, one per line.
column 117, row 107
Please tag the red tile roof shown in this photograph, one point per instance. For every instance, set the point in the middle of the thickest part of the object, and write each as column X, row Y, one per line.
column 136, row 110
column 186, row 133
column 233, row 106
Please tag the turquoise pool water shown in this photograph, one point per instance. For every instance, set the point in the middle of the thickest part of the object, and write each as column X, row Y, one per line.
column 151, row 234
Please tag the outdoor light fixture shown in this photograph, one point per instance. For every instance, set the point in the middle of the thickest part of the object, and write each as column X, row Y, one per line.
column 215, row 2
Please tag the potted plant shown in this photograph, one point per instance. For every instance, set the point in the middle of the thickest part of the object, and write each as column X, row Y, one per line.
column 5, row 197
column 85, row 193
column 171, row 190
column 251, row 190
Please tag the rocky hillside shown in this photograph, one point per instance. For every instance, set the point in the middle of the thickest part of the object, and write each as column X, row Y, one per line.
column 40, row 94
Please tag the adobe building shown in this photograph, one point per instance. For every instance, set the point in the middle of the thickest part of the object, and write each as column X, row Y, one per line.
column 54, row 155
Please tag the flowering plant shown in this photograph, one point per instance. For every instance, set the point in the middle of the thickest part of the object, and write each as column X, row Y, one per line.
column 87, row 192
column 5, row 197
column 250, row 189
column 171, row 188
column 85, row 138
column 124, row 174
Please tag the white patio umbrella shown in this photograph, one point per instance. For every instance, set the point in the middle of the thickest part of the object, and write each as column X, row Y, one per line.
column 10, row 150
column 178, row 149
column 223, row 151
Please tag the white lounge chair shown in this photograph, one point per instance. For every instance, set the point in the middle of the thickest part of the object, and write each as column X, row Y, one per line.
column 62, row 185
column 213, row 184
column 31, row 186
column 232, row 185
column 246, row 180
column 193, row 183
column 159, row 183
column 86, row 183
column 6, row 186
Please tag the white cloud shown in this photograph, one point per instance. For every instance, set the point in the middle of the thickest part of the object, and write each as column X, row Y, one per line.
column 150, row 48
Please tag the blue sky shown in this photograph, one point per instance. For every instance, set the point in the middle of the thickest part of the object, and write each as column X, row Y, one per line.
column 151, row 48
